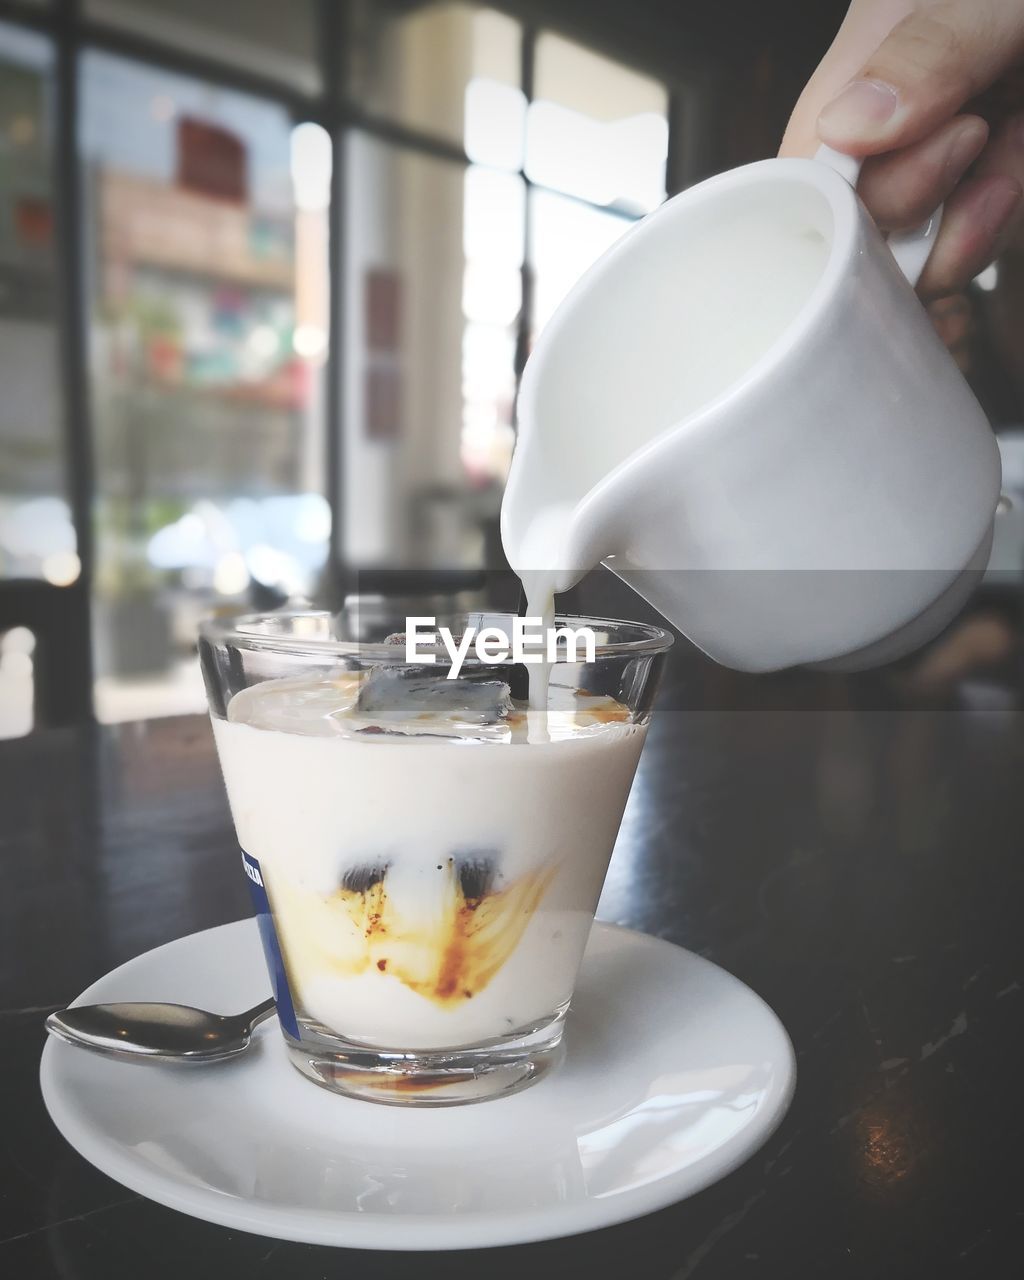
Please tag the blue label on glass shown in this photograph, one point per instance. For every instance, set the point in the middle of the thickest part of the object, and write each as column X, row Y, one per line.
column 271, row 946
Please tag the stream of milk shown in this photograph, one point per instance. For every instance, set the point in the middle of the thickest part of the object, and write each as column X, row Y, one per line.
column 540, row 603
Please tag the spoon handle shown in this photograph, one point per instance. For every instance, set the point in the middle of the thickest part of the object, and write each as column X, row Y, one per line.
column 261, row 1012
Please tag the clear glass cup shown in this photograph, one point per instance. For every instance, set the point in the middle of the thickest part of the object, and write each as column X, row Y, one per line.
column 425, row 855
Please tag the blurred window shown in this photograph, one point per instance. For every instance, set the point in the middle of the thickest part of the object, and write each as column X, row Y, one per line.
column 447, row 69
column 433, row 274
column 37, row 538
column 205, row 235
column 566, row 238
column 17, row 685
column 596, row 129
column 264, row 36
column 207, row 241
column 494, row 211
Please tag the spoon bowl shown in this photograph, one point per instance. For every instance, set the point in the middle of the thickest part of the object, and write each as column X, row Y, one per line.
column 158, row 1032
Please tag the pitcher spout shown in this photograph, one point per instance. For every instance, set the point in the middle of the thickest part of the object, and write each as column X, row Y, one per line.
column 560, row 542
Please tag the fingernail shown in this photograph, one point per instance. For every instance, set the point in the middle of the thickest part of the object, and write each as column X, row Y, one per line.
column 963, row 151
column 859, row 111
column 998, row 207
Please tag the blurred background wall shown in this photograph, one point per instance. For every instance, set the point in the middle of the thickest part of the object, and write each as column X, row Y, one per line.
column 269, row 274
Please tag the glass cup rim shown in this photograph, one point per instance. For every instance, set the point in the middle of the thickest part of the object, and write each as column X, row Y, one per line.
column 240, row 632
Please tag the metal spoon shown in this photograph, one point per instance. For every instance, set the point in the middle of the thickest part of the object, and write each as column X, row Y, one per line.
column 158, row 1032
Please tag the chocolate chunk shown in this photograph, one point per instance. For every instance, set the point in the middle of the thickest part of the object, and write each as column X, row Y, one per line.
column 476, row 871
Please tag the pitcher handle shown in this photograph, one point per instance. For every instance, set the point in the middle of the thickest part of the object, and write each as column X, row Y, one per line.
column 909, row 248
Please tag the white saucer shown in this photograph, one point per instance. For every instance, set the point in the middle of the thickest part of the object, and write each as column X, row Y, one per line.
column 675, row 1073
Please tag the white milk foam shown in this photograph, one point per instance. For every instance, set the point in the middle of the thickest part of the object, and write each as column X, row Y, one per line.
column 427, row 891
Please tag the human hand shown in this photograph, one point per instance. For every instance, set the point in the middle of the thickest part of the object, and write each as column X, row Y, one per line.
column 931, row 94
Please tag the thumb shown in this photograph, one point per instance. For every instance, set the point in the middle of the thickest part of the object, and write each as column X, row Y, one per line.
column 929, row 65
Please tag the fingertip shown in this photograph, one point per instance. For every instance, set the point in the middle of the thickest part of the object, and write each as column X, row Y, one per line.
column 861, row 118
column 904, row 187
column 974, row 133
column 999, row 203
column 974, row 229
column 862, row 106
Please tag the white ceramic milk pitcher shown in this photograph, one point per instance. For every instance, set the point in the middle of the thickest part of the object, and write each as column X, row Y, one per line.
column 744, row 411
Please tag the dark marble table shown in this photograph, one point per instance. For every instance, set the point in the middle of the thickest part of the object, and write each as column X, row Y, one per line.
column 853, row 856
